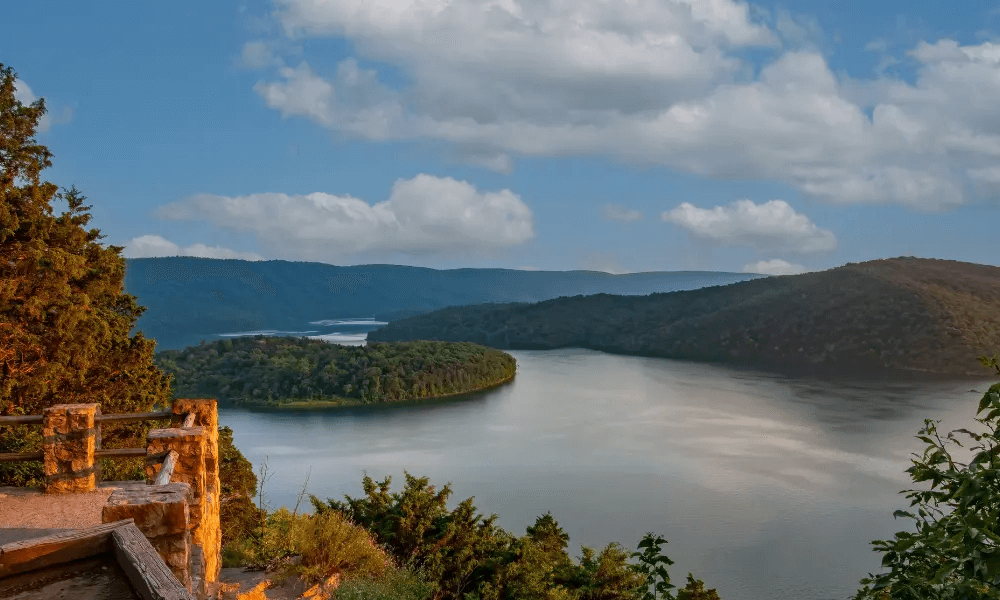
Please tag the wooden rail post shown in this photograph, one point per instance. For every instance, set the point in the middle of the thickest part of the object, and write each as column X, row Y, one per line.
column 68, row 444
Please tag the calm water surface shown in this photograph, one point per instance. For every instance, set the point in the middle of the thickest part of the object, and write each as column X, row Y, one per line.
column 766, row 487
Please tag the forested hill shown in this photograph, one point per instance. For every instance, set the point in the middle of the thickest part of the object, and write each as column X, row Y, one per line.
column 893, row 315
column 288, row 371
column 191, row 299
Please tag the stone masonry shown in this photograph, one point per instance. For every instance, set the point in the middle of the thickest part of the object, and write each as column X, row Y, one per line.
column 68, row 447
column 209, row 533
column 162, row 515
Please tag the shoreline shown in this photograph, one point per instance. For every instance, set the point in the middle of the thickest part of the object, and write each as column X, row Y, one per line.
column 329, row 404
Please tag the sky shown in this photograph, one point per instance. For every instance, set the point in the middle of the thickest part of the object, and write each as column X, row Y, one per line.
column 619, row 136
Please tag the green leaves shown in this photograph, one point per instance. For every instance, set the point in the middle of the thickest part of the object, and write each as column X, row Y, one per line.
column 654, row 565
column 954, row 553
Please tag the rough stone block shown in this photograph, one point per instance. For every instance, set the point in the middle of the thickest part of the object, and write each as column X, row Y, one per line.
column 68, row 447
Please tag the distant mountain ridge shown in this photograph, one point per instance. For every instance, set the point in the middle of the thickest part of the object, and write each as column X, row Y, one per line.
column 892, row 315
column 190, row 299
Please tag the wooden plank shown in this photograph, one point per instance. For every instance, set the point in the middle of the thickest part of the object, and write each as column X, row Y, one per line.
column 21, row 420
column 37, row 553
column 150, row 577
column 188, row 420
column 20, row 456
column 146, row 416
column 167, row 470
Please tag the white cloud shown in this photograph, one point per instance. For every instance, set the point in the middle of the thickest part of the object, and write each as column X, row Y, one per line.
column 618, row 213
column 771, row 226
column 775, row 266
column 651, row 82
column 259, row 55
column 528, row 268
column 24, row 95
column 423, row 216
column 146, row 246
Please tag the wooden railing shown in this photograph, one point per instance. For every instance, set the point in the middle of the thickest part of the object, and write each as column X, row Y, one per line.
column 99, row 453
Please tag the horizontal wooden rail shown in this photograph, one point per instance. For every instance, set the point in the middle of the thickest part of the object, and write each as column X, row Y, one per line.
column 20, row 456
column 146, row 416
column 120, row 453
column 21, row 420
column 110, row 418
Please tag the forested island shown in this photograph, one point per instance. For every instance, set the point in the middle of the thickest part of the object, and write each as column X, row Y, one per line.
column 307, row 373
column 894, row 316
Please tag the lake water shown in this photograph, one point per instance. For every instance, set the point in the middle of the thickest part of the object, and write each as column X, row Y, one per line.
column 766, row 487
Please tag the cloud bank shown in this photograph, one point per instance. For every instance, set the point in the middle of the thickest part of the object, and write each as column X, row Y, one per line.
column 146, row 246
column 773, row 226
column 650, row 82
column 423, row 216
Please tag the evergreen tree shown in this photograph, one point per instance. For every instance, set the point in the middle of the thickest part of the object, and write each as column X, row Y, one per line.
column 64, row 319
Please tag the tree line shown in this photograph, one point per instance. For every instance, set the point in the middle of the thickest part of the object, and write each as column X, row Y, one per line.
column 262, row 370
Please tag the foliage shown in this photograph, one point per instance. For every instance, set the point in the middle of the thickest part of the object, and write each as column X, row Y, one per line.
column 902, row 315
column 64, row 319
column 277, row 370
column 191, row 298
column 955, row 552
column 237, row 514
column 397, row 585
column 463, row 556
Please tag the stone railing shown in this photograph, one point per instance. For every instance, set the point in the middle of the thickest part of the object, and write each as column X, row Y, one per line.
column 176, row 508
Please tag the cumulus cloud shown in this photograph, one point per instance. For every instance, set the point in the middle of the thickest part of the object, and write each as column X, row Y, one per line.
column 772, row 226
column 423, row 216
column 775, row 266
column 614, row 212
column 651, row 82
column 146, row 246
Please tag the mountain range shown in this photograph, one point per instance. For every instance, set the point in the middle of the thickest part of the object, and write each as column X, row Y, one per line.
column 190, row 299
column 902, row 315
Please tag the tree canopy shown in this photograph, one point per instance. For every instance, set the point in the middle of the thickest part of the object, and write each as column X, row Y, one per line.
column 64, row 317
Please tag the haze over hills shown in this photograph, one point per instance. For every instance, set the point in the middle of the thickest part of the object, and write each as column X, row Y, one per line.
column 892, row 315
column 190, row 299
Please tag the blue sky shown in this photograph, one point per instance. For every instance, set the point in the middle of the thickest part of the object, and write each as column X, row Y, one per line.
column 622, row 136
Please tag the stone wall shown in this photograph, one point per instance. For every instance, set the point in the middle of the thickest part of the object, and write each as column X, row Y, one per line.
column 180, row 519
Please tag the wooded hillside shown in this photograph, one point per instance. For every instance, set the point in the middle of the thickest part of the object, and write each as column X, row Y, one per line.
column 191, row 299
column 280, row 370
column 902, row 314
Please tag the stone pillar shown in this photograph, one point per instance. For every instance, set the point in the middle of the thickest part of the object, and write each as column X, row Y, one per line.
column 68, row 447
column 190, row 446
column 206, row 413
column 162, row 515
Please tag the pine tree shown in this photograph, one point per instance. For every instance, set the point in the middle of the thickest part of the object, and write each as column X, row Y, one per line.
column 64, row 316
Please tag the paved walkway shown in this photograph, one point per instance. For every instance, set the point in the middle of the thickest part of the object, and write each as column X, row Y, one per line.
column 30, row 512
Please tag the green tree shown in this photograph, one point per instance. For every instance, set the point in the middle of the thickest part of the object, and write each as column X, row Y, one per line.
column 64, row 319
column 955, row 551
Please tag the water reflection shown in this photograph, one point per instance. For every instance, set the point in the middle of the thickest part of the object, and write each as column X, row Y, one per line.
column 766, row 487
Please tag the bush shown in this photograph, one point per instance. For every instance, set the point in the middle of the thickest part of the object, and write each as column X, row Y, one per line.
column 953, row 554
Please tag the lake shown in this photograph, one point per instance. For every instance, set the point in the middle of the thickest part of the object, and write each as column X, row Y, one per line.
column 767, row 487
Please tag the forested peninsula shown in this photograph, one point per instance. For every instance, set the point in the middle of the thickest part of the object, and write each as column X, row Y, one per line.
column 902, row 315
column 307, row 373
